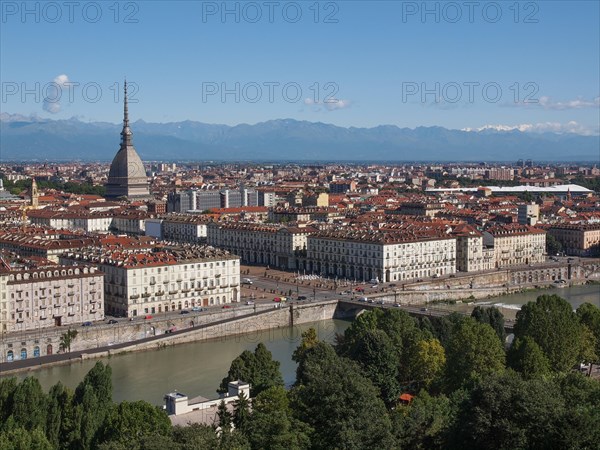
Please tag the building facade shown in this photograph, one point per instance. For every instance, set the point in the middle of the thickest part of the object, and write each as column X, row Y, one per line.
column 151, row 282
column 578, row 239
column 515, row 245
column 36, row 298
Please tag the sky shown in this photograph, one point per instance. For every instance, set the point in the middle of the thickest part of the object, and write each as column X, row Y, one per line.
column 460, row 65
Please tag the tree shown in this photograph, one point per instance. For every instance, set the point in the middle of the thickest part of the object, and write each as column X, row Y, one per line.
column 224, row 416
column 130, row 421
column 493, row 317
column 309, row 340
column 379, row 359
column 241, row 411
column 506, row 412
column 589, row 316
column 258, row 368
column 195, row 437
column 272, row 425
column 473, row 352
column 550, row 321
column 66, row 339
column 92, row 403
column 527, row 358
column 339, row 403
column 424, row 423
column 21, row 439
column 553, row 246
column 430, row 361
column 7, row 391
column 57, row 419
column 29, row 404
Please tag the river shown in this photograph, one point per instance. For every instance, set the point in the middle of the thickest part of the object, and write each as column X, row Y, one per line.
column 195, row 368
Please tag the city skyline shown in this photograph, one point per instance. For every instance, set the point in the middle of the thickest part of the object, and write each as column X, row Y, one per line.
column 488, row 65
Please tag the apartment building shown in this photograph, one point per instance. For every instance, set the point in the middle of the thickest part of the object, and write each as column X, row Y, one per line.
column 150, row 282
column 273, row 245
column 578, row 239
column 178, row 228
column 471, row 254
column 515, row 244
column 386, row 256
column 36, row 297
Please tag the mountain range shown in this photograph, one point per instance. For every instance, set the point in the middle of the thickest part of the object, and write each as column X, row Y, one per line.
column 32, row 138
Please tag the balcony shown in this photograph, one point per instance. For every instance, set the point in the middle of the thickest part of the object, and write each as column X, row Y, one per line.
column 71, row 304
column 92, row 283
column 172, row 292
column 57, row 306
column 42, row 306
column 71, row 294
column 20, row 310
column 152, row 283
column 134, row 296
column 92, row 292
column 146, row 295
column 159, row 293
column 71, row 285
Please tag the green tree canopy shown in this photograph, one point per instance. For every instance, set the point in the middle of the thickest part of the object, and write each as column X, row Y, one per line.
column 272, row 425
column 551, row 323
column 258, row 368
column 474, row 352
column 527, row 358
column 339, row 403
column 493, row 317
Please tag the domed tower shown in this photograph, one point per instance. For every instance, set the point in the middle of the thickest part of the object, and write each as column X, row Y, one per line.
column 127, row 176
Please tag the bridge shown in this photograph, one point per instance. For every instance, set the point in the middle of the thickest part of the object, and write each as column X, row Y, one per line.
column 353, row 307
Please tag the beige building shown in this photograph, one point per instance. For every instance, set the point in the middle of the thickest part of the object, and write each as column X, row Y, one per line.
column 528, row 214
column 471, row 255
column 366, row 255
column 273, row 245
column 48, row 296
column 146, row 282
column 578, row 239
column 179, row 228
column 515, row 245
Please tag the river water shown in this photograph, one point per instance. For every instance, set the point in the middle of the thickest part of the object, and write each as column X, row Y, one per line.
column 510, row 304
column 197, row 368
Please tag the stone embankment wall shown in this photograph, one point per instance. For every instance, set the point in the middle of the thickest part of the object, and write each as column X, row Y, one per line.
column 238, row 320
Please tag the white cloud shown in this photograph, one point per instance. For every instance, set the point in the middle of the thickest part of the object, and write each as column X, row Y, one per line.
column 548, row 103
column 542, row 127
column 54, row 91
column 329, row 105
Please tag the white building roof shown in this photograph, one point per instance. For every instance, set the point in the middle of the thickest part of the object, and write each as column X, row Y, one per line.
column 561, row 188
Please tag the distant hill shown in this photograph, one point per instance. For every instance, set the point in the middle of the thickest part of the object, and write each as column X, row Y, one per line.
column 31, row 138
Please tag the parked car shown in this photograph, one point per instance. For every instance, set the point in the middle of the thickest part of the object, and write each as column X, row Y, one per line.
column 392, row 285
column 112, row 322
column 227, row 306
column 148, row 317
column 170, row 330
column 363, row 299
column 196, row 309
column 249, row 302
column 280, row 299
column 246, row 281
column 302, row 297
column 87, row 324
column 184, row 311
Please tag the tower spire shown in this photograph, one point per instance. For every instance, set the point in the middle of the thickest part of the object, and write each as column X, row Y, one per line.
column 126, row 134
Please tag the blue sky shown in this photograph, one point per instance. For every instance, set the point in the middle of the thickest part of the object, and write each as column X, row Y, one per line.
column 376, row 58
